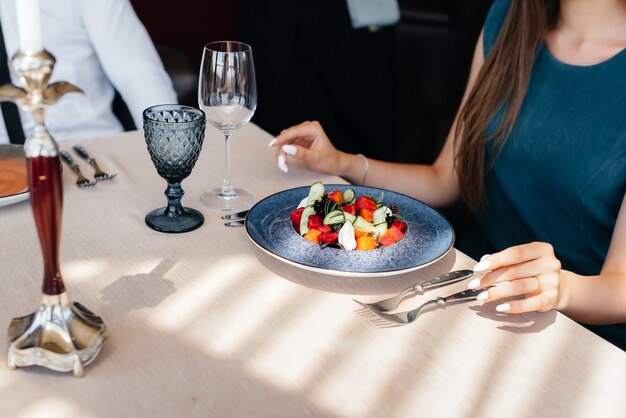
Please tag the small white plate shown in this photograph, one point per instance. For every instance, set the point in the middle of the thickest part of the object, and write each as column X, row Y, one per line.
column 14, row 198
column 13, row 179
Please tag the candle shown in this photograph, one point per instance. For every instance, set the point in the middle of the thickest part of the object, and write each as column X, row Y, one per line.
column 29, row 25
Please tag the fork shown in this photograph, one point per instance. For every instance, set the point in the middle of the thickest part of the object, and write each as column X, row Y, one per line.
column 235, row 219
column 81, row 181
column 235, row 224
column 404, row 318
column 99, row 174
column 444, row 279
column 235, row 216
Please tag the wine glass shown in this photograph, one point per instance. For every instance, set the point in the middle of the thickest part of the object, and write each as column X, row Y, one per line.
column 174, row 135
column 227, row 94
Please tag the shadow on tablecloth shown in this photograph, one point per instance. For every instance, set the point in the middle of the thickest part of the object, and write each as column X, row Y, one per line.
column 138, row 291
column 517, row 323
column 356, row 285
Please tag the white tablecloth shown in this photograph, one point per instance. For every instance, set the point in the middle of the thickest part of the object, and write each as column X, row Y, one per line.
column 206, row 324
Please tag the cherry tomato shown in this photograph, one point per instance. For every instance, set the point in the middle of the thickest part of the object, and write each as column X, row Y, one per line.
column 328, row 237
column 351, row 209
column 365, row 202
column 315, row 222
column 296, row 216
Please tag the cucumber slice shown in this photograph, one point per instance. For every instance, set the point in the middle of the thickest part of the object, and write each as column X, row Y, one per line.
column 362, row 225
column 334, row 217
column 315, row 193
column 380, row 215
column 349, row 217
column 308, row 211
column 349, row 195
column 381, row 228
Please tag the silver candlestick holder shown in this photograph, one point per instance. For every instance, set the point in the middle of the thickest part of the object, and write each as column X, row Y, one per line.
column 61, row 335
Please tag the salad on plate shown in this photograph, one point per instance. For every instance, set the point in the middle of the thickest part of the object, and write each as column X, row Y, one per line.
column 343, row 220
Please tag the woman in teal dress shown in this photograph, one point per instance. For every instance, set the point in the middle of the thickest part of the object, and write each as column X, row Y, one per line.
column 538, row 151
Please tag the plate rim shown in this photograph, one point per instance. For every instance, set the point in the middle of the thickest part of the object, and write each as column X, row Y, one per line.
column 343, row 273
column 14, row 197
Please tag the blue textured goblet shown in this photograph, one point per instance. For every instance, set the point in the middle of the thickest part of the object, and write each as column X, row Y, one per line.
column 174, row 135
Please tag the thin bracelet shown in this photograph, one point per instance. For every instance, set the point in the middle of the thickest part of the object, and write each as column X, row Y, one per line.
column 367, row 166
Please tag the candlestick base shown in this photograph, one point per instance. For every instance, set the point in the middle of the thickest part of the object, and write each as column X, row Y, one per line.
column 61, row 336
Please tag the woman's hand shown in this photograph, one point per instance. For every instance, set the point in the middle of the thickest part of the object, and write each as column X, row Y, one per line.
column 531, row 270
column 307, row 142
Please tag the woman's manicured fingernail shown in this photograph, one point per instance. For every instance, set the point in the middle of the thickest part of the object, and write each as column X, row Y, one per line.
column 272, row 142
column 482, row 266
column 290, row 149
column 484, row 256
column 282, row 164
column 473, row 284
column 482, row 296
column 505, row 307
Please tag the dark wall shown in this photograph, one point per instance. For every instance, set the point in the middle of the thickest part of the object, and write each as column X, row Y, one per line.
column 312, row 65
column 189, row 25
column 405, row 81
column 435, row 41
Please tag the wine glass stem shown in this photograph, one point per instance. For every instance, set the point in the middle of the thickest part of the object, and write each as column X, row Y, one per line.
column 227, row 186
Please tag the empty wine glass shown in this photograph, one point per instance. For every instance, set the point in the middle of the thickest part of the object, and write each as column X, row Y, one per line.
column 174, row 135
column 227, row 94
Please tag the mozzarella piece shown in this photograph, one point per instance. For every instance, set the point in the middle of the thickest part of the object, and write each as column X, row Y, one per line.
column 303, row 203
column 346, row 236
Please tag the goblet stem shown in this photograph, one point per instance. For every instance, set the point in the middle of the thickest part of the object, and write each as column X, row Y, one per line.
column 174, row 194
column 227, row 186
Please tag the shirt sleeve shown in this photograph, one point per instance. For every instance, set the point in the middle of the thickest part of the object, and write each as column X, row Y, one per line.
column 127, row 55
column 493, row 23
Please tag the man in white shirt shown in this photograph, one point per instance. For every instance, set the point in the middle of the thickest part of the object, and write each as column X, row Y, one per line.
column 99, row 46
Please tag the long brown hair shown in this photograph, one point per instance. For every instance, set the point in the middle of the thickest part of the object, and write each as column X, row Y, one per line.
column 501, row 85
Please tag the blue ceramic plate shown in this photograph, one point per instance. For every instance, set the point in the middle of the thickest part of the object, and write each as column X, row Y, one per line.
column 429, row 236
